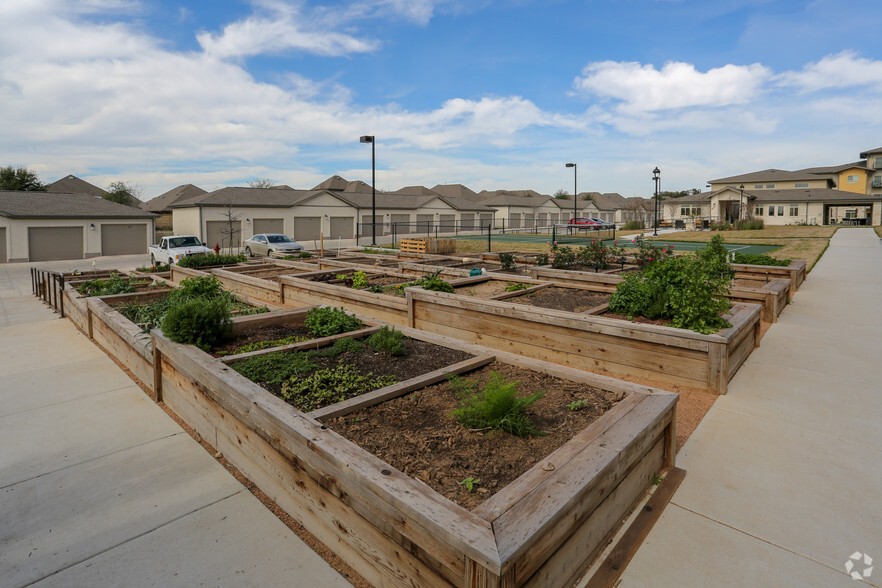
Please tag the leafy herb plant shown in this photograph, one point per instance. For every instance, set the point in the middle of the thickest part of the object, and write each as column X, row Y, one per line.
column 327, row 321
column 498, row 406
column 387, row 340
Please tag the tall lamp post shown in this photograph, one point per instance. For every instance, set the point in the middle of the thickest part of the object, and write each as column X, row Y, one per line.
column 370, row 139
column 656, row 176
column 741, row 203
column 575, row 188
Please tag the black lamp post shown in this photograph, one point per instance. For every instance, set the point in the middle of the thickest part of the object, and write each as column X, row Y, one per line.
column 741, row 213
column 370, row 139
column 656, row 175
column 575, row 188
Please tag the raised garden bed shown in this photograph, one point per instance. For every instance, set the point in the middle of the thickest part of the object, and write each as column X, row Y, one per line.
column 495, row 287
column 568, row 298
column 543, row 528
column 795, row 272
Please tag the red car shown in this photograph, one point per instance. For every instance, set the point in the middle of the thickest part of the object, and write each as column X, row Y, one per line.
column 593, row 223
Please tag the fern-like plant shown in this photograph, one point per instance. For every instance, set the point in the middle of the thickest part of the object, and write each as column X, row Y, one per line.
column 497, row 406
column 387, row 340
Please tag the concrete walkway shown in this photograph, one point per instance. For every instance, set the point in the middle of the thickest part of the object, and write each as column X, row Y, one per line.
column 99, row 487
column 785, row 472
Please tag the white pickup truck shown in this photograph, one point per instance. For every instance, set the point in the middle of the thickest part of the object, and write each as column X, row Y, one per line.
column 171, row 249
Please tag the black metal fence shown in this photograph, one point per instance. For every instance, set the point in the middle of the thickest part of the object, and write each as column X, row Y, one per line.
column 48, row 286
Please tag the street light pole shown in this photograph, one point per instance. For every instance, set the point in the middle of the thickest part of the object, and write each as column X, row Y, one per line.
column 575, row 188
column 370, row 139
column 741, row 203
column 656, row 175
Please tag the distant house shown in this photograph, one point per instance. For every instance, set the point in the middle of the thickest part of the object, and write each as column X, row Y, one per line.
column 162, row 204
column 73, row 185
column 44, row 226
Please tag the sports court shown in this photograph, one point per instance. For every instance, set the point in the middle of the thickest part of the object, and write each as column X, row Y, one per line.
column 581, row 239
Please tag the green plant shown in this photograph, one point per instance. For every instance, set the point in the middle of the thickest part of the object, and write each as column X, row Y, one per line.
column 716, row 258
column 115, row 284
column 599, row 255
column 516, row 286
column 203, row 260
column 647, row 252
column 469, row 483
column 687, row 290
column 387, row 340
column 435, row 282
column 656, row 480
column 199, row 323
column 158, row 268
column 507, row 261
column 275, row 368
column 359, row 280
column 330, row 386
column 757, row 259
column 749, row 225
column 579, row 405
column 542, row 259
column 562, row 256
column 634, row 225
column 498, row 406
column 326, row 321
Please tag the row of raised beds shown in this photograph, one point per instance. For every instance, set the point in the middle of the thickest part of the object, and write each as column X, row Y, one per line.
column 297, row 401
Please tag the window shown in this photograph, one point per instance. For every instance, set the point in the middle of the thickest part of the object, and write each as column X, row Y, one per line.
column 877, row 182
column 771, row 211
column 794, row 210
column 686, row 210
column 781, row 210
column 758, row 211
column 770, row 185
column 851, row 213
column 878, row 163
column 758, row 186
column 801, row 185
column 852, row 179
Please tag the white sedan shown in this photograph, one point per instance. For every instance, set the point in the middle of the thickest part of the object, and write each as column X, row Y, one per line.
column 267, row 243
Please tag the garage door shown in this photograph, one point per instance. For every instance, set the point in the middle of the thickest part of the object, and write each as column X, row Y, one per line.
column 3, row 257
column 528, row 221
column 342, row 227
column 218, row 233
column 514, row 220
column 307, row 228
column 48, row 243
column 448, row 222
column 486, row 219
column 401, row 224
column 269, row 225
column 424, row 222
column 468, row 221
column 123, row 239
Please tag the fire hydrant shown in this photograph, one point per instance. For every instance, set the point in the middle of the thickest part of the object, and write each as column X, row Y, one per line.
column 216, row 249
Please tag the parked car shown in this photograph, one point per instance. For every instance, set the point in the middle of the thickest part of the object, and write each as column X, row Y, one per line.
column 267, row 243
column 171, row 249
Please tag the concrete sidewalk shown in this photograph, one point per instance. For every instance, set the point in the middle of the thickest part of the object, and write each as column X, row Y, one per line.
column 784, row 473
column 99, row 487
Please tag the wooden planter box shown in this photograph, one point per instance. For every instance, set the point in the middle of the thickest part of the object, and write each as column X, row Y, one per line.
column 795, row 272
column 772, row 296
column 595, row 343
column 541, row 530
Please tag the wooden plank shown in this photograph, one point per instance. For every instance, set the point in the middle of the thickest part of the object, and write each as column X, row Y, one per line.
column 294, row 316
column 615, row 563
column 316, row 343
column 333, row 522
column 400, row 389
column 422, row 515
column 523, row 292
column 569, row 562
column 718, row 373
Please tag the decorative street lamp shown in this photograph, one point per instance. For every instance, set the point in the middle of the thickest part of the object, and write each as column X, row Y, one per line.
column 741, row 211
column 575, row 189
column 370, row 139
column 656, row 176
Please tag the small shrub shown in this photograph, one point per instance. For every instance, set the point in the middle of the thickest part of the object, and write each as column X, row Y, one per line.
column 387, row 340
column 598, row 255
column 562, row 256
column 199, row 323
column 158, row 268
column 330, row 386
column 757, row 259
column 497, row 406
column 507, row 261
column 435, row 283
column 327, row 321
column 359, row 280
column 542, row 259
column 115, row 284
column 634, row 225
column 749, row 225
column 203, row 260
column 648, row 252
column 516, row 286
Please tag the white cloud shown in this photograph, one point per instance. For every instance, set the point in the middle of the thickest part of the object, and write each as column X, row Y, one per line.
column 841, row 70
column 643, row 88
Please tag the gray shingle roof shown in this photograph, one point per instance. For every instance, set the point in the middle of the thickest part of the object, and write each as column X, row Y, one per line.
column 866, row 154
column 790, row 195
column 164, row 201
column 251, row 197
column 510, row 200
column 64, row 205
column 74, row 185
column 456, row 191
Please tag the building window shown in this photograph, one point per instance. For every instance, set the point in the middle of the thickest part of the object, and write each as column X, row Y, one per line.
column 851, row 213
column 801, row 185
column 758, row 186
column 794, row 210
column 758, row 211
column 781, row 210
column 852, row 179
column 770, row 185
column 690, row 210
column 878, row 163
column 771, row 211
column 877, row 182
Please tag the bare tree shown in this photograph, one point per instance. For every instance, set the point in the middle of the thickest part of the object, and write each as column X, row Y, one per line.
column 232, row 228
column 261, row 183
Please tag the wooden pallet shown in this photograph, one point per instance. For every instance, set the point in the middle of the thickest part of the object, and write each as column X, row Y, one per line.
column 414, row 245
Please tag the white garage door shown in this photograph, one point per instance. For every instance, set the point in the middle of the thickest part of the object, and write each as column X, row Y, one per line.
column 307, row 228
column 269, row 225
column 218, row 233
column 123, row 239
column 401, row 224
column 49, row 243
column 342, row 227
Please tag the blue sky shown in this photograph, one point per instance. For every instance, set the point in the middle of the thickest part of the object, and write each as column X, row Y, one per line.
column 484, row 93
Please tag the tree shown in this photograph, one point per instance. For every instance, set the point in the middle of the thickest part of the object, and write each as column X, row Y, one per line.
column 20, row 178
column 562, row 195
column 230, row 233
column 123, row 193
column 261, row 183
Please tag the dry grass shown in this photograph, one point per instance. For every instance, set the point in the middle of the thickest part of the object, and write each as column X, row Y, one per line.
column 878, row 231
